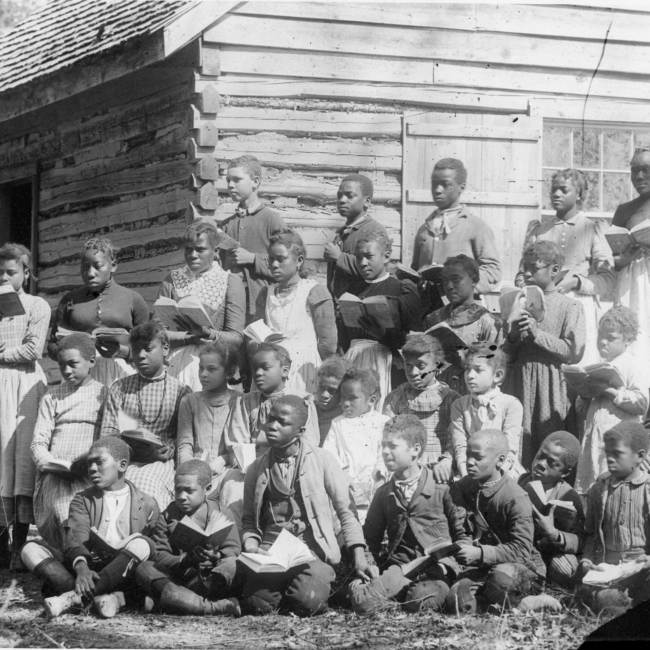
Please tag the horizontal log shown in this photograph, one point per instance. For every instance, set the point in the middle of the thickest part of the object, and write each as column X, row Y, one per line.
column 429, row 43
column 457, row 99
column 469, row 132
column 527, row 199
column 540, row 82
column 346, row 124
column 239, row 59
column 129, row 210
column 285, row 152
column 115, row 186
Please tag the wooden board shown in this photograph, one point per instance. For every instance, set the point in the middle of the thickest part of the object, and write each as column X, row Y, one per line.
column 527, row 199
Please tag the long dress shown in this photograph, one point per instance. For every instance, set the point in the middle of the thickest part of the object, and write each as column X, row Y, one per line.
column 633, row 286
column 603, row 413
column 586, row 255
column 364, row 349
column 154, row 404
column 82, row 310
column 473, row 323
column 222, row 295
column 22, row 384
column 299, row 316
column 69, row 420
column 535, row 378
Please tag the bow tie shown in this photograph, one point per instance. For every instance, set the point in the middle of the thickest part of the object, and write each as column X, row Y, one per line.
column 487, row 404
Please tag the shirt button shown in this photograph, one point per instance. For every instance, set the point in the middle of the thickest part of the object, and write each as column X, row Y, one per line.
column 107, row 519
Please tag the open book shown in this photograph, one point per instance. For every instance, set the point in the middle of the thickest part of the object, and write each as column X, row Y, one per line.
column 260, row 332
column 620, row 239
column 513, row 302
column 612, row 574
column 604, row 374
column 101, row 546
column 100, row 334
column 10, row 304
column 76, row 468
column 140, row 439
column 434, row 552
column 430, row 272
column 226, row 242
column 244, row 454
column 453, row 344
column 384, row 309
column 180, row 316
column 538, row 499
column 286, row 552
column 187, row 533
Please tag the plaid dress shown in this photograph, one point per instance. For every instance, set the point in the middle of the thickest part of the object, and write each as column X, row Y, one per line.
column 154, row 403
column 22, row 384
column 69, row 419
column 433, row 408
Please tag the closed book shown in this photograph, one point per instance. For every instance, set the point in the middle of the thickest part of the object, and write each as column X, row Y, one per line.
column 101, row 546
column 187, row 533
column 383, row 309
column 285, row 553
column 599, row 375
column 111, row 335
column 10, row 303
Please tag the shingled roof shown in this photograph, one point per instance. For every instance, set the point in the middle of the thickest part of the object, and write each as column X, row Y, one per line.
column 65, row 32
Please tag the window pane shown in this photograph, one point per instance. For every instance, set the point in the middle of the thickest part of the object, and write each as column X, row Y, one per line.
column 616, row 149
column 557, row 146
column 616, row 190
column 641, row 139
column 592, row 199
column 547, row 174
column 586, row 148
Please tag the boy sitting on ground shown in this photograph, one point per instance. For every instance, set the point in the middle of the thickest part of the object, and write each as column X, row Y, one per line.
column 295, row 486
column 618, row 526
column 560, row 534
column 196, row 582
column 415, row 511
column 117, row 509
column 502, row 563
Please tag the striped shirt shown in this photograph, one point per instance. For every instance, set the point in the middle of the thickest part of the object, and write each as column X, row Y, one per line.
column 625, row 516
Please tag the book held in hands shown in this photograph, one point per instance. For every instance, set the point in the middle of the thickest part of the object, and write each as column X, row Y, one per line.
column 513, row 302
column 620, row 239
column 609, row 575
column 141, row 440
column 383, row 309
column 10, row 304
column 183, row 315
column 600, row 375
column 451, row 342
column 101, row 546
column 434, row 552
column 244, row 454
column 260, row 332
column 285, row 553
column 187, row 533
column 429, row 272
column 538, row 498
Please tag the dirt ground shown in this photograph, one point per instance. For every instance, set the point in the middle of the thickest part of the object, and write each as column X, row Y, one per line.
column 24, row 624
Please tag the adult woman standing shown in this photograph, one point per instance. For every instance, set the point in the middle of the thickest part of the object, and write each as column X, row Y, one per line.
column 100, row 302
column 588, row 260
column 221, row 293
column 633, row 264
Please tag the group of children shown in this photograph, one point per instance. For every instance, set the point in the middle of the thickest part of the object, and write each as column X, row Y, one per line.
column 372, row 443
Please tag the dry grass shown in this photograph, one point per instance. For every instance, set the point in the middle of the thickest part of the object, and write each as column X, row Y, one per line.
column 24, row 624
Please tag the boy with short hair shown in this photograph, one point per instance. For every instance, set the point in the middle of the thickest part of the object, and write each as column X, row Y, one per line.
column 428, row 399
column 451, row 229
column 502, row 563
column 296, row 486
column 117, row 509
column 328, row 393
column 197, row 582
column 618, row 526
column 353, row 201
column 251, row 225
column 560, row 534
column 414, row 511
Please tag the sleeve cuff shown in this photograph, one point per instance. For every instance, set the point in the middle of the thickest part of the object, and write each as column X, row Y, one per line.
column 78, row 559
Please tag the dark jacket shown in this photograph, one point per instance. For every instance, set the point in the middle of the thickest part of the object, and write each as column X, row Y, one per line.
column 571, row 525
column 86, row 511
column 323, row 488
column 169, row 556
column 431, row 514
column 507, row 510
column 343, row 272
column 253, row 232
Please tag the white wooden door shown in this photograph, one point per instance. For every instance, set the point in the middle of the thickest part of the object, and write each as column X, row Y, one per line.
column 503, row 157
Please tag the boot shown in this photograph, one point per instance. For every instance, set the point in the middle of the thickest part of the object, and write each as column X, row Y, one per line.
column 58, row 605
column 107, row 605
column 151, row 579
column 5, row 547
column 113, row 575
column 183, row 602
column 55, row 575
column 20, row 538
column 461, row 599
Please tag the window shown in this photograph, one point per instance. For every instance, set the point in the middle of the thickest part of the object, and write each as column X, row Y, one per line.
column 602, row 152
